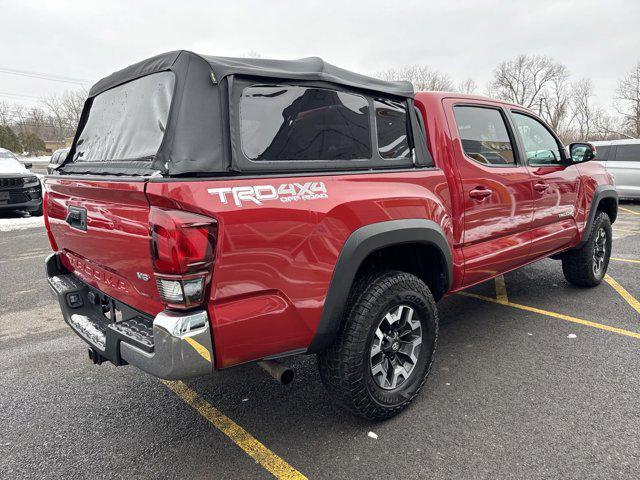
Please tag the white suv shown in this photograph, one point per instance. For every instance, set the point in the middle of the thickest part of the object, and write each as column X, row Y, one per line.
column 622, row 159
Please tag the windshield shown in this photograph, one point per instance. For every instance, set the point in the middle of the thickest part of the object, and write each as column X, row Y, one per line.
column 127, row 122
column 6, row 154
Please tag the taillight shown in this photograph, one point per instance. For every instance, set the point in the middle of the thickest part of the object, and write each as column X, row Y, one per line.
column 183, row 249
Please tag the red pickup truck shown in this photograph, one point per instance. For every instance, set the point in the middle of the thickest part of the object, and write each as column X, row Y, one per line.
column 217, row 211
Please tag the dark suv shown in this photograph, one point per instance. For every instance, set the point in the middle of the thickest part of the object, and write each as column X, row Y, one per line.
column 19, row 188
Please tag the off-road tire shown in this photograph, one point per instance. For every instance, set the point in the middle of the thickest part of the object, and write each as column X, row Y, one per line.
column 578, row 265
column 345, row 366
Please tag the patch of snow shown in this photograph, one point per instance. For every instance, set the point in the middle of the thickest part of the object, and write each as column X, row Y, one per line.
column 373, row 435
column 9, row 165
column 9, row 224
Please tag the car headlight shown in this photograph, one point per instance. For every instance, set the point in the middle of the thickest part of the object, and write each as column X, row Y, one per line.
column 30, row 180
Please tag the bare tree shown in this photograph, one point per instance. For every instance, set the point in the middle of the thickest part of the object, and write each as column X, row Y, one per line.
column 583, row 112
column 422, row 77
column 627, row 100
column 63, row 111
column 35, row 119
column 527, row 79
column 608, row 127
column 554, row 105
column 6, row 116
column 72, row 104
column 468, row 86
column 52, row 106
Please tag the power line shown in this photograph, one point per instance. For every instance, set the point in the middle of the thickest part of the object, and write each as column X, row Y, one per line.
column 7, row 94
column 44, row 76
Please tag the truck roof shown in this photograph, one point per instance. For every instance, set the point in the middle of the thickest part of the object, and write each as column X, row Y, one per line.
column 437, row 96
column 311, row 68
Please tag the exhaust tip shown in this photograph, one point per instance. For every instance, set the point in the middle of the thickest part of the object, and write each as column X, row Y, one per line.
column 287, row 376
column 278, row 371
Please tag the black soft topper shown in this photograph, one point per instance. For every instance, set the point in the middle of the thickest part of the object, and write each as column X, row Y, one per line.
column 195, row 126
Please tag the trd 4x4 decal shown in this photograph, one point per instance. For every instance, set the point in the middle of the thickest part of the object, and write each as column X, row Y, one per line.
column 286, row 192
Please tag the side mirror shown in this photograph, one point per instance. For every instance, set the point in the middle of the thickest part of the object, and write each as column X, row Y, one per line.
column 582, row 152
column 27, row 164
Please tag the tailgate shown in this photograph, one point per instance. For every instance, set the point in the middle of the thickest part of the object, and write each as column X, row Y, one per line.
column 110, row 250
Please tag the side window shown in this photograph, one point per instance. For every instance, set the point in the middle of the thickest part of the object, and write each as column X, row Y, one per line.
column 62, row 156
column 288, row 122
column 540, row 146
column 392, row 129
column 603, row 153
column 484, row 135
column 627, row 153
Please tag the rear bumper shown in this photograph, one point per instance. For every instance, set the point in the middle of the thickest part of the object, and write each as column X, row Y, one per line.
column 171, row 345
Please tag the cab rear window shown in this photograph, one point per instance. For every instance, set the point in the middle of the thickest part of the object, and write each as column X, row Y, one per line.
column 127, row 122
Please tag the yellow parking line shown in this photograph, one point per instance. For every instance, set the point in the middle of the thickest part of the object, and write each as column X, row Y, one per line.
column 501, row 290
column 623, row 293
column 256, row 450
column 628, row 210
column 624, row 260
column 568, row 318
column 204, row 353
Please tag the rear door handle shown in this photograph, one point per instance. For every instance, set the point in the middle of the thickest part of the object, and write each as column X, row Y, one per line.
column 541, row 187
column 480, row 193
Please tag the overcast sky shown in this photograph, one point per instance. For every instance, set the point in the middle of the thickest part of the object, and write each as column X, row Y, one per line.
column 90, row 39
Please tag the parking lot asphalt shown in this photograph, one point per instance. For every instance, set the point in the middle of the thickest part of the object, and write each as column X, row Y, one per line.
column 533, row 378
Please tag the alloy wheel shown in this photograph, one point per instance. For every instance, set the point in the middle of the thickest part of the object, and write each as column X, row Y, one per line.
column 599, row 251
column 395, row 347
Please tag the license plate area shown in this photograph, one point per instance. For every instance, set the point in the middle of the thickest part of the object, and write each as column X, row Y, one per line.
column 4, row 196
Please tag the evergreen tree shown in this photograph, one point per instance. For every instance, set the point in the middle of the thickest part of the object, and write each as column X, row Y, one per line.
column 9, row 140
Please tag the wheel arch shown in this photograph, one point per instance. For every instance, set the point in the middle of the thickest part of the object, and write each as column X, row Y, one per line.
column 361, row 250
column 605, row 198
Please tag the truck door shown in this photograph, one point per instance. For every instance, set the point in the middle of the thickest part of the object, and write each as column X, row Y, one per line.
column 496, row 188
column 555, row 183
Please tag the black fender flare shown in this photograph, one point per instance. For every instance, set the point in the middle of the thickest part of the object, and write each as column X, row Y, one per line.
column 602, row 191
column 360, row 244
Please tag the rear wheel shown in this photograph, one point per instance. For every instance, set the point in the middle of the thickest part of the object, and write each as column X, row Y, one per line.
column 383, row 353
column 587, row 266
